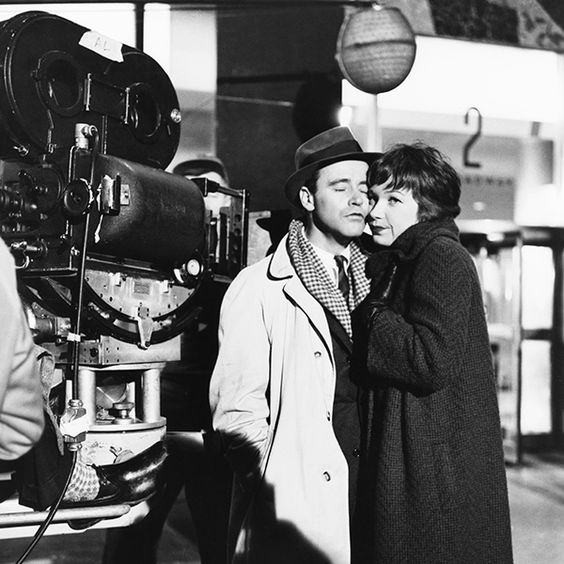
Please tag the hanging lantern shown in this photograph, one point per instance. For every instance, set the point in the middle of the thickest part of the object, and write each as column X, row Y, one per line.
column 376, row 49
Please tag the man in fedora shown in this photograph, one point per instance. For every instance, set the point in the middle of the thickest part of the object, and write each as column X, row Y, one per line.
column 281, row 396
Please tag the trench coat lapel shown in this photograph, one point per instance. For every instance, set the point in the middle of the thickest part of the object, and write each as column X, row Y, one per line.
column 281, row 268
column 338, row 331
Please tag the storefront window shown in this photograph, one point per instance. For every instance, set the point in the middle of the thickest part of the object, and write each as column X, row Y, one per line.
column 535, row 409
column 538, row 287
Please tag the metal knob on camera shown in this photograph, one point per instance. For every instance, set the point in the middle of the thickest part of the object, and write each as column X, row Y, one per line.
column 121, row 410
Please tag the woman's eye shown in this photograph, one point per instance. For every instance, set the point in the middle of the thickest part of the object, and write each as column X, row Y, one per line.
column 394, row 200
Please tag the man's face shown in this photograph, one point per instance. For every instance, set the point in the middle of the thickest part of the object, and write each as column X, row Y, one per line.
column 339, row 204
column 393, row 212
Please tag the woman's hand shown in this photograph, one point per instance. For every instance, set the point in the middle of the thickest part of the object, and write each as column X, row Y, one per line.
column 378, row 299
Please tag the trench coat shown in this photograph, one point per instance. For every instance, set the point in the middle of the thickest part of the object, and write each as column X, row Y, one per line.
column 432, row 484
column 21, row 402
column 271, row 395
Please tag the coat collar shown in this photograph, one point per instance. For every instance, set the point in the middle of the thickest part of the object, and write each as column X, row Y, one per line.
column 413, row 240
column 410, row 243
column 280, row 268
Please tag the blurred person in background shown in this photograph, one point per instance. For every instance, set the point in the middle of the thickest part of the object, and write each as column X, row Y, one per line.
column 432, row 483
column 194, row 462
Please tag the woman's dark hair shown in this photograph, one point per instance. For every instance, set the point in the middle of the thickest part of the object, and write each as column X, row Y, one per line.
column 433, row 182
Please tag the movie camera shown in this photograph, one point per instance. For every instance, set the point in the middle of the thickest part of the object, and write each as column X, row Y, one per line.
column 111, row 250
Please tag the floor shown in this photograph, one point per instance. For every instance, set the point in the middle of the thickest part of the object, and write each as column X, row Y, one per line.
column 536, row 495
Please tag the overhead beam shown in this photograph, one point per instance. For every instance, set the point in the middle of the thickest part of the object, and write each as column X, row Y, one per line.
column 221, row 4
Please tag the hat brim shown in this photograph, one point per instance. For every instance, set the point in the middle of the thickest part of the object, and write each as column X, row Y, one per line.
column 301, row 176
column 211, row 164
column 278, row 221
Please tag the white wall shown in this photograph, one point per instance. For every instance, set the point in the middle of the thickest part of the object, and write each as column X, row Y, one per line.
column 520, row 94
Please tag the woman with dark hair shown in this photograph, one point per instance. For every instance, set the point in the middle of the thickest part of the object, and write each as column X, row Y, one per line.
column 432, row 487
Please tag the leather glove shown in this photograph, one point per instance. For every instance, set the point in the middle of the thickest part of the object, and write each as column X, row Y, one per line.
column 363, row 318
column 378, row 299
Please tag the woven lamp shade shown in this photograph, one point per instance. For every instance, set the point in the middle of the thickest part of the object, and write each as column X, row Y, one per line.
column 376, row 49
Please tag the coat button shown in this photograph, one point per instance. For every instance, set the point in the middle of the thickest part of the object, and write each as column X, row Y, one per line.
column 356, row 452
column 328, row 416
column 327, row 476
column 317, row 354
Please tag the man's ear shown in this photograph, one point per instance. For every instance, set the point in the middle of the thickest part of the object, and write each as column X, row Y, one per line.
column 306, row 199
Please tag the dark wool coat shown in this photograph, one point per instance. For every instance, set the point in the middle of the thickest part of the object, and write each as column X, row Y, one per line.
column 432, row 487
column 346, row 408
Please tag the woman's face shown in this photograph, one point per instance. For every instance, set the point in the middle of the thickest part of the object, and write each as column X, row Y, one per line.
column 393, row 212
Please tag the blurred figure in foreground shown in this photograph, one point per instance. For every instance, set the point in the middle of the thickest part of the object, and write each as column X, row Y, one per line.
column 21, row 402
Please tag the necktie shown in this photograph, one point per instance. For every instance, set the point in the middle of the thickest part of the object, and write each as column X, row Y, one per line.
column 343, row 282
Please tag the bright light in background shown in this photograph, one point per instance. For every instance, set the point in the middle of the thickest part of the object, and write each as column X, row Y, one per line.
column 491, row 277
column 345, row 115
column 538, row 285
column 352, row 96
column 450, row 75
column 113, row 20
column 157, row 27
column 504, row 82
column 193, row 45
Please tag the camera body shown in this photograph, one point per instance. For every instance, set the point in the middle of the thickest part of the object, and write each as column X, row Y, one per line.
column 110, row 249
column 87, row 126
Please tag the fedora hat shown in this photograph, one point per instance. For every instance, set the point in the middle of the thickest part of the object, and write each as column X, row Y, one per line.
column 200, row 165
column 328, row 147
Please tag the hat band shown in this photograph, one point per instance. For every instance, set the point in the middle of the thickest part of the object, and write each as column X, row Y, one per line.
column 339, row 148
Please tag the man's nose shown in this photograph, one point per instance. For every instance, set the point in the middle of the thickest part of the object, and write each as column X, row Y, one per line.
column 358, row 198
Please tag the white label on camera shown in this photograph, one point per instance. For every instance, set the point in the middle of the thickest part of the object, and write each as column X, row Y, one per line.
column 104, row 46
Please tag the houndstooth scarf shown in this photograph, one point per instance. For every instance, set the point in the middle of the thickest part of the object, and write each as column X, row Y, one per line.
column 318, row 281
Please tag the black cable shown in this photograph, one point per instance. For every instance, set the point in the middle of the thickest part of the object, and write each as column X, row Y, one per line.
column 39, row 533
column 75, row 344
column 75, row 356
